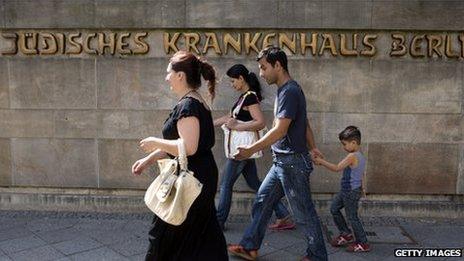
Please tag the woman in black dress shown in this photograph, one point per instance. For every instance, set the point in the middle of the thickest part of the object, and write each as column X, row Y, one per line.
column 199, row 237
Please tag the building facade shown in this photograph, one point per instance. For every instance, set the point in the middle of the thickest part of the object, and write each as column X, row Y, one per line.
column 81, row 82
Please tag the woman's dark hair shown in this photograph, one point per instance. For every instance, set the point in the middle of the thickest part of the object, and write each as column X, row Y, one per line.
column 250, row 78
column 272, row 55
column 350, row 133
column 194, row 68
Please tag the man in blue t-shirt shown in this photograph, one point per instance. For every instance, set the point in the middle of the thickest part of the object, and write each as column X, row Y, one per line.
column 292, row 164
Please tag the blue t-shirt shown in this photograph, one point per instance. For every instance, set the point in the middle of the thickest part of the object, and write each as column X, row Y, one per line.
column 290, row 103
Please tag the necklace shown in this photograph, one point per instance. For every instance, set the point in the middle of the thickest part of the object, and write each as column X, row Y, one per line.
column 185, row 95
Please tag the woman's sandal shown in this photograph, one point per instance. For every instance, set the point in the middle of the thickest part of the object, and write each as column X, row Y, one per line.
column 238, row 250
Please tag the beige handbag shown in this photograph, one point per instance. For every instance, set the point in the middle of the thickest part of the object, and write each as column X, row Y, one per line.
column 173, row 192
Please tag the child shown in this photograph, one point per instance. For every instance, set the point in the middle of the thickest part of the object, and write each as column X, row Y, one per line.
column 353, row 166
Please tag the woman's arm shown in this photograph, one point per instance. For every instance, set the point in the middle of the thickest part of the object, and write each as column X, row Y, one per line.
column 221, row 120
column 141, row 164
column 257, row 123
column 189, row 131
column 156, row 155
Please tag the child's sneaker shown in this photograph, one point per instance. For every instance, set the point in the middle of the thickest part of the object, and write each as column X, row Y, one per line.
column 358, row 247
column 342, row 240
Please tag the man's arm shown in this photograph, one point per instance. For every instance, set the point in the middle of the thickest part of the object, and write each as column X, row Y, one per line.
column 277, row 132
column 310, row 136
column 286, row 111
column 315, row 152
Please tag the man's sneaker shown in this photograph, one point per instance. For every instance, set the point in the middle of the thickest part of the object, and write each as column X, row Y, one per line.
column 282, row 224
column 342, row 240
column 358, row 247
column 238, row 250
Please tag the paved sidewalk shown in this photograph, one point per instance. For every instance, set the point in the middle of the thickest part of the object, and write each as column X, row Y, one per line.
column 90, row 236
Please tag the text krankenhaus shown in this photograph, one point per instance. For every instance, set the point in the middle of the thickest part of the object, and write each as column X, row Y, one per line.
column 440, row 45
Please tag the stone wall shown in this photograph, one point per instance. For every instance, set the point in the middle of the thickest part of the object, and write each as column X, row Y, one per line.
column 75, row 121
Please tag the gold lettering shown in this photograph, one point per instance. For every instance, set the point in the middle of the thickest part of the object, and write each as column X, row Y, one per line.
column 24, row 45
column 192, row 45
column 170, row 43
column 312, row 44
column 142, row 46
column 251, row 44
column 285, row 41
column 328, row 43
column 103, row 44
column 61, row 42
column 461, row 39
column 434, row 42
column 77, row 46
column 121, row 45
column 450, row 45
column 449, row 48
column 235, row 43
column 213, row 38
column 267, row 40
column 49, row 43
column 416, row 46
column 14, row 47
column 87, row 47
column 372, row 50
column 398, row 45
column 344, row 48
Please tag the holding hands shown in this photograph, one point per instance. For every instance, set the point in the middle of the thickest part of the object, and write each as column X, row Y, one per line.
column 317, row 160
column 317, row 156
column 316, row 153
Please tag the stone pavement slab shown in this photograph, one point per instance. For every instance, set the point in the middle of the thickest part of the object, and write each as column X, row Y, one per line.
column 131, row 246
column 102, row 253
column 112, row 236
column 12, row 233
column 43, row 252
column 379, row 234
column 438, row 235
column 4, row 257
column 60, row 235
column 76, row 245
column 22, row 243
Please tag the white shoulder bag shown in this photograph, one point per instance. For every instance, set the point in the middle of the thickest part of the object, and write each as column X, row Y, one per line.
column 235, row 138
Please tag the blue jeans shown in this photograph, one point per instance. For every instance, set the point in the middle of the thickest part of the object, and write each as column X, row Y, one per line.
column 348, row 200
column 289, row 176
column 232, row 171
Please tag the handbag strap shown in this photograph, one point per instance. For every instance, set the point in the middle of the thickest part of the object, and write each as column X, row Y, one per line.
column 239, row 106
column 182, row 154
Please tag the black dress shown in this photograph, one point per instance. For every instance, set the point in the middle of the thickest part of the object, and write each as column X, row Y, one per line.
column 199, row 237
